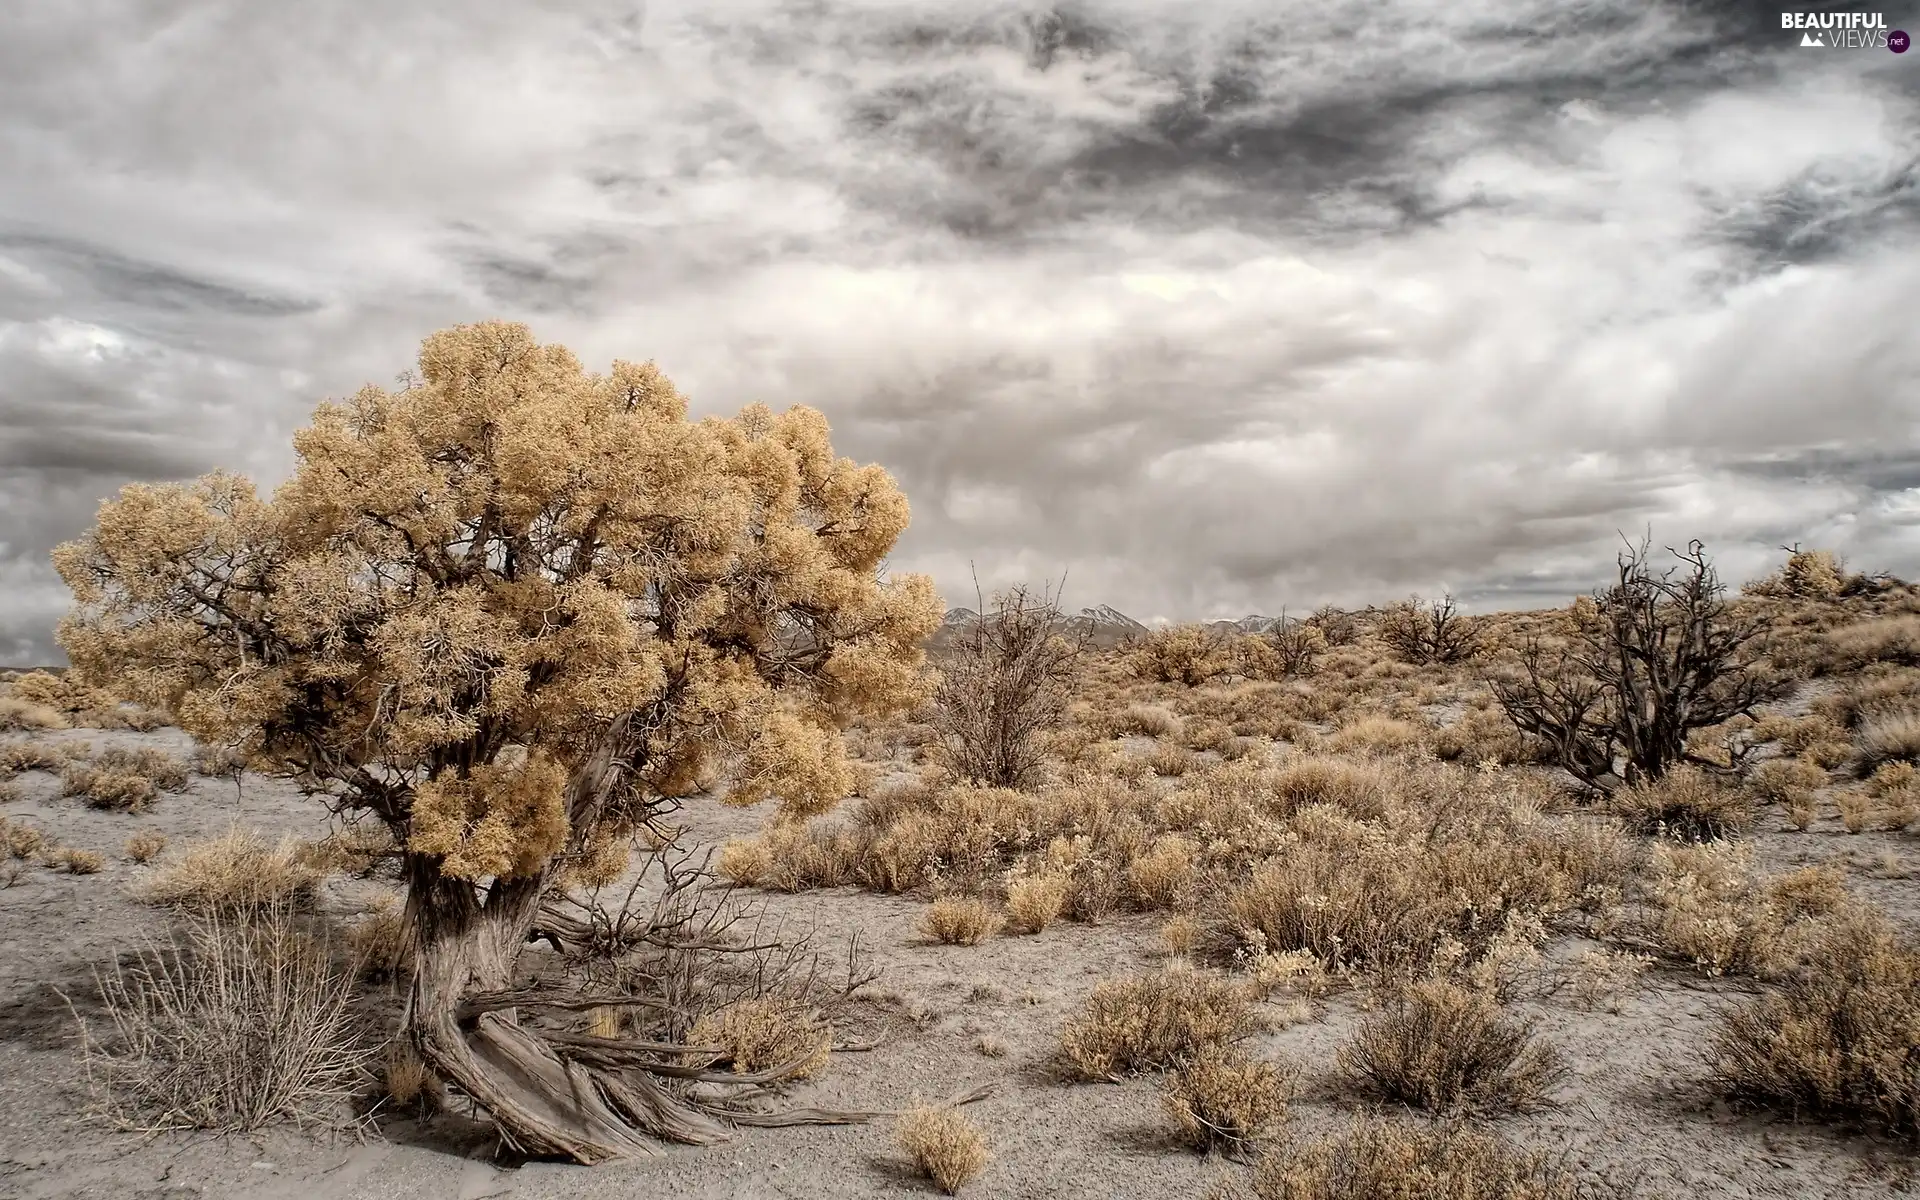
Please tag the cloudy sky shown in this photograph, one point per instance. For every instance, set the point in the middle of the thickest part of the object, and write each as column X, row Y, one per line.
column 1214, row 306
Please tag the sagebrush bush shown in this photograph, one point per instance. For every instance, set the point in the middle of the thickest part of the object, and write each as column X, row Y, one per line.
column 1840, row 1036
column 1786, row 781
column 1710, row 909
column 75, row 861
column 1442, row 1047
column 145, row 847
column 1154, row 1021
column 960, row 921
column 1223, row 1099
column 17, row 756
column 1035, row 901
column 241, row 1021
column 760, row 1033
column 944, row 1145
column 1889, row 737
column 1388, row 1160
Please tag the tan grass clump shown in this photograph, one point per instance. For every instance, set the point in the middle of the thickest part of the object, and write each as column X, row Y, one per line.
column 236, row 870
column 17, row 756
column 145, row 847
column 1710, row 909
column 382, row 939
column 762, row 1033
column 1889, row 737
column 1605, row 979
column 241, row 1021
column 745, row 861
column 75, row 861
column 1839, row 1037
column 21, row 841
column 1035, row 901
column 409, row 1083
column 959, row 921
column 17, row 713
column 1164, row 875
column 1222, row 1099
column 1154, row 1021
column 944, row 1145
column 1388, row 1160
column 1375, row 735
column 1441, row 1047
column 1788, row 781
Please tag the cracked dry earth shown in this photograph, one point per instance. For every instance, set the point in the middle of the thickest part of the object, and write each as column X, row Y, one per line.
column 1631, row 1108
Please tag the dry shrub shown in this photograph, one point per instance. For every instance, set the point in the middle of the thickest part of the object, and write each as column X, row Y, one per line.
column 1222, row 1099
column 1185, row 654
column 1481, row 734
column 218, row 762
column 75, row 861
column 760, row 1033
column 959, row 921
column 22, row 841
column 16, row 713
column 20, row 756
column 1889, row 737
column 1441, row 1047
column 1430, row 632
column 1154, row 1021
column 1710, row 909
column 944, row 1146
column 1605, row 978
column 1239, row 747
column 238, row 870
column 1035, row 901
column 409, row 1083
column 1375, row 735
column 1146, row 720
column 241, row 1021
column 1203, row 735
column 1164, row 875
column 1005, row 682
column 1841, row 1034
column 1171, row 760
column 1180, row 934
column 1854, row 647
column 745, row 861
column 1787, row 781
column 145, row 847
column 1856, row 809
column 1686, row 804
column 382, row 939
column 1386, row 1160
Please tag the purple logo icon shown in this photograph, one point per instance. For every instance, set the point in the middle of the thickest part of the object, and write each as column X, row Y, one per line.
column 1898, row 41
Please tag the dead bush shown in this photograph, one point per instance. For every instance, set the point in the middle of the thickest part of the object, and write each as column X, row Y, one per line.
column 1441, row 1047
column 1651, row 660
column 16, row 713
column 236, row 870
column 1858, row 646
column 17, row 756
column 1154, row 1021
column 1146, row 720
column 1686, row 804
column 1839, row 1037
column 240, row 1021
column 1430, row 632
column 381, row 940
column 1222, row 1099
column 1806, row 575
column 1606, row 978
column 1375, row 735
column 1005, row 682
column 1710, row 909
column 1387, row 1160
column 959, row 921
column 760, row 1033
column 944, row 1146
column 409, row 1083
column 22, row 841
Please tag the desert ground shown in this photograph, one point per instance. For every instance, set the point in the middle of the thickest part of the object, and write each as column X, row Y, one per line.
column 1623, row 973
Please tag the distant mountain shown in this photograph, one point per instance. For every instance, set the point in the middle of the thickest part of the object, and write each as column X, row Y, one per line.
column 1106, row 625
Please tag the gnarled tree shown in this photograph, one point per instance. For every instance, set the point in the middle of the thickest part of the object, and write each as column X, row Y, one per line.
column 509, row 611
column 1650, row 659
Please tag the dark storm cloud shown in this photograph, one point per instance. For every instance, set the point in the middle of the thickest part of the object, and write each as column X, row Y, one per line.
column 1216, row 307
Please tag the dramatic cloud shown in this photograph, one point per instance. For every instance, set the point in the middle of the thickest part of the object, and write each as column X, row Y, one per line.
column 1215, row 307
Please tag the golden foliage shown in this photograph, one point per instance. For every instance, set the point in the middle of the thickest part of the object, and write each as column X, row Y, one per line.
column 959, row 921
column 503, row 579
column 1223, row 1099
column 237, row 870
column 943, row 1144
column 761, row 1033
column 1154, row 1020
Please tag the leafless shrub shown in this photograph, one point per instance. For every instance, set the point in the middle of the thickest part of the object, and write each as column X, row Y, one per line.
column 944, row 1145
column 1652, row 659
column 241, row 1021
column 1430, row 631
column 1336, row 625
column 1442, row 1047
column 1004, row 684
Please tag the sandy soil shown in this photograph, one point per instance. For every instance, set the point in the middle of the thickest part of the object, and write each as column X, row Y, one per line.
column 1631, row 1108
